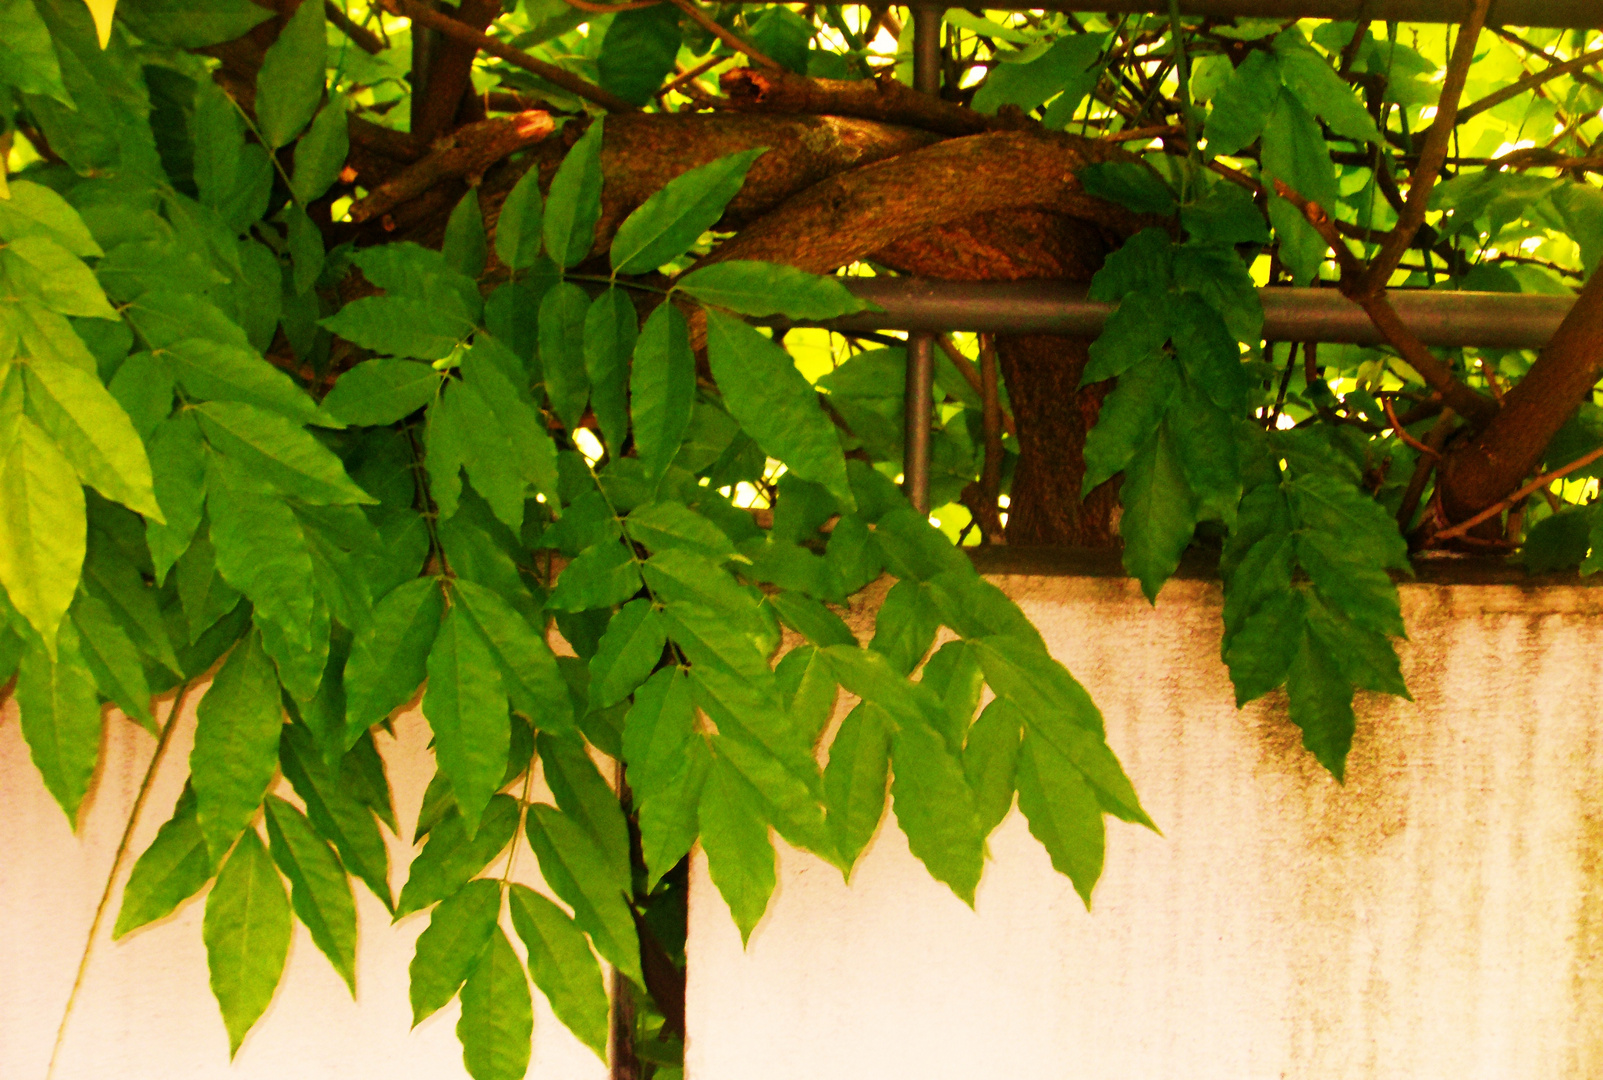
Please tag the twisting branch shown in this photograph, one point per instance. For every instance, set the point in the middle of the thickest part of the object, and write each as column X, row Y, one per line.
column 467, row 152
column 361, row 36
column 728, row 37
column 1530, row 82
column 1464, row 400
column 1435, row 439
column 1431, row 156
column 1534, row 486
column 975, row 381
column 608, row 9
column 433, row 20
column 882, row 99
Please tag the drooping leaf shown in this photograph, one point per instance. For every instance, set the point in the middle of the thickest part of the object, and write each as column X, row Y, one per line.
column 637, row 53
column 60, row 718
column 528, row 667
column 662, row 387
column 573, row 203
column 447, row 951
column 42, row 526
column 237, row 727
column 563, row 313
column 466, row 246
column 855, row 779
column 452, row 857
column 562, row 965
column 335, row 811
column 611, row 328
column 1243, row 106
column 990, row 762
column 178, row 472
column 602, row 575
column 175, row 866
column 226, row 371
column 112, row 659
column 1323, row 92
column 382, row 391
column 775, row 404
column 94, row 432
column 1159, row 518
column 247, row 932
column 389, row 656
column 517, row 230
column 320, row 155
column 628, row 652
column 290, row 82
column 734, row 835
column 466, row 706
column 497, row 1014
column 286, row 455
column 1063, row 813
column 665, row 225
column 588, row 879
column 319, row 891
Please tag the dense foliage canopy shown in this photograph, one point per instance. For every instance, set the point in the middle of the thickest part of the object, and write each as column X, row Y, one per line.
column 349, row 350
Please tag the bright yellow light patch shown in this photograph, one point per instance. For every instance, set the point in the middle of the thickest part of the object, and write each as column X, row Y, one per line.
column 102, row 11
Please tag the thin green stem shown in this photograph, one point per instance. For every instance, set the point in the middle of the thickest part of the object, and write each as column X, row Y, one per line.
column 272, row 154
column 1182, row 65
column 614, row 280
column 116, row 867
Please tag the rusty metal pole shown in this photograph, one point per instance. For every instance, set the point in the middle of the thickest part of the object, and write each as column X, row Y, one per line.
column 918, row 412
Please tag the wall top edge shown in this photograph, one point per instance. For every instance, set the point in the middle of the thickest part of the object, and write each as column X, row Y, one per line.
column 1432, row 570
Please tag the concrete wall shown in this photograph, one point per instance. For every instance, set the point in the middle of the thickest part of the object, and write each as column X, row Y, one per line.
column 1439, row 917
column 145, row 1011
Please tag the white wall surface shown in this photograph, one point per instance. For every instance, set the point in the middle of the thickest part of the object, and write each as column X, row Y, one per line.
column 145, row 1010
column 1438, row 918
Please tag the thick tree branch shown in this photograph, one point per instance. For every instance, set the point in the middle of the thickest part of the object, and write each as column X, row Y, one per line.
column 1431, row 156
column 451, row 28
column 882, row 99
column 468, row 152
column 1507, row 449
column 450, row 72
column 1536, row 485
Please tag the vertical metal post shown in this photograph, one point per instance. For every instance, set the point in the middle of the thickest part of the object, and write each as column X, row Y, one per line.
column 919, row 400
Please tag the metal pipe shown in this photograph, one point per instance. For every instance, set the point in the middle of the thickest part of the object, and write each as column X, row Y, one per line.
column 1564, row 14
column 919, row 414
column 1443, row 319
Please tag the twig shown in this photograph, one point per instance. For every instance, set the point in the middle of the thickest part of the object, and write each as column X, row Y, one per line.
column 1530, row 82
column 466, row 152
column 690, row 76
column 1144, row 134
column 1435, row 439
column 976, row 382
column 1431, row 156
column 993, row 419
column 116, row 866
column 433, row 20
column 607, row 9
column 728, row 37
column 1538, row 484
column 361, row 36
column 1402, row 432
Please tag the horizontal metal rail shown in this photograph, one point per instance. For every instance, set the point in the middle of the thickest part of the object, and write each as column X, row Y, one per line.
column 1443, row 319
column 1566, row 14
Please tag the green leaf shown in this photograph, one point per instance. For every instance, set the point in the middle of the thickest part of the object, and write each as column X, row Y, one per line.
column 1294, row 151
column 60, row 718
column 112, row 659
column 306, row 254
column 734, row 836
column 611, row 328
column 261, row 550
column 466, row 707
column 377, row 392
column 221, row 371
column 36, row 210
column 335, row 811
column 517, row 230
column 497, row 1019
column 175, row 866
column 26, row 54
column 812, row 619
column 1133, row 185
column 448, row 950
column 562, row 966
column 42, row 268
column 290, row 82
column 990, row 762
column 191, row 24
column 1226, row 215
column 1323, row 92
column 933, row 803
column 664, row 525
column 93, row 431
column 466, row 247
column 144, row 388
column 237, row 728
column 1144, row 264
column 1066, row 67
column 400, row 326
column 628, row 652
column 247, row 932
column 1217, row 275
column 573, row 203
column 662, row 387
column 1063, row 813
column 1129, row 419
column 637, row 53
column 775, row 404
column 285, row 454
column 42, row 526
column 321, row 154
column 1243, row 106
column 764, row 288
column 1321, row 705
column 319, row 890
column 528, row 667
column 1159, row 515
column 451, row 857
column 389, row 656
column 668, row 764
column 603, row 575
column 667, row 224
column 587, row 878
column 1204, row 439
column 854, row 780
column 563, row 314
